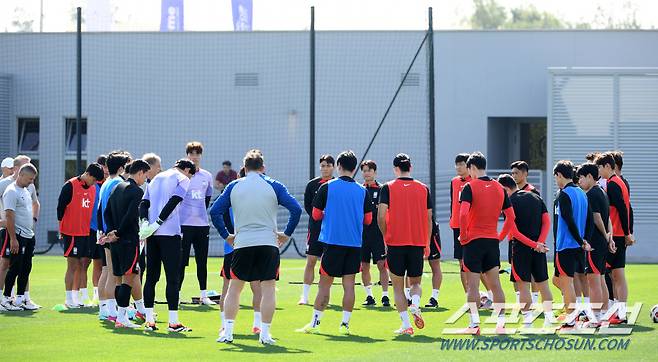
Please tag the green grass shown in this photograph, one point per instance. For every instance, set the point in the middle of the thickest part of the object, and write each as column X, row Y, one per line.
column 78, row 334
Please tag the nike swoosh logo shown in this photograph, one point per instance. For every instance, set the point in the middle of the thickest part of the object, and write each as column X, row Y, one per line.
column 487, row 186
column 406, row 185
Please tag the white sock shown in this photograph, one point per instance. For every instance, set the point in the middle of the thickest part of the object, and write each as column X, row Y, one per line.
column 173, row 317
column 27, row 296
column 368, row 289
column 112, row 307
column 102, row 307
column 346, row 317
column 315, row 320
column 415, row 300
column 305, row 289
column 221, row 314
column 122, row 316
column 527, row 317
column 228, row 328
column 501, row 321
column 621, row 312
column 69, row 297
column 265, row 330
column 475, row 319
column 149, row 315
column 95, row 293
column 74, row 295
column 549, row 317
column 518, row 297
column 139, row 305
column 406, row 293
column 404, row 316
column 19, row 299
column 490, row 295
column 535, row 297
column 204, row 294
column 85, row 294
column 257, row 320
column 586, row 300
column 384, row 293
column 579, row 300
column 435, row 294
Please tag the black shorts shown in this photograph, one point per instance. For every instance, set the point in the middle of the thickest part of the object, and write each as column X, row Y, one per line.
column 481, row 255
column 25, row 245
column 338, row 261
column 124, row 258
column 581, row 261
column 197, row 236
column 226, row 266
column 596, row 259
column 372, row 248
column 527, row 264
column 618, row 259
column 95, row 250
column 458, row 250
column 405, row 260
column 255, row 263
column 76, row 246
column 435, row 247
column 568, row 261
column 313, row 246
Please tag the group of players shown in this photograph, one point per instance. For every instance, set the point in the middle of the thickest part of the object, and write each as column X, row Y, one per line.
column 130, row 218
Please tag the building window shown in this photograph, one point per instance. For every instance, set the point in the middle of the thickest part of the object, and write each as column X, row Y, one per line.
column 28, row 135
column 70, row 155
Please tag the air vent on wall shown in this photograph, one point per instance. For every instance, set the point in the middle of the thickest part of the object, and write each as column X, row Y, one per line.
column 246, row 79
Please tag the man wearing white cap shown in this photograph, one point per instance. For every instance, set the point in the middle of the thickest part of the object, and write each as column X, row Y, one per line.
column 7, row 167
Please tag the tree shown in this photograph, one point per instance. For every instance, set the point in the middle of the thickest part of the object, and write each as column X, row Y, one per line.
column 488, row 15
column 528, row 17
column 20, row 25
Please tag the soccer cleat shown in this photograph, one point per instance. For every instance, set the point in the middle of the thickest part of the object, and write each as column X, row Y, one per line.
column 178, row 328
column 223, row 338
column 112, row 318
column 9, row 306
column 72, row 306
column 266, row 340
column 408, row 302
column 404, row 331
column 386, row 302
column 140, row 317
column 151, row 327
column 302, row 301
column 614, row 320
column 32, row 304
column 102, row 316
column 369, row 301
column 129, row 324
column 206, row 301
column 28, row 305
column 309, row 329
column 432, row 303
column 255, row 330
column 592, row 324
column 418, row 318
column 2, row 309
column 344, row 329
column 568, row 325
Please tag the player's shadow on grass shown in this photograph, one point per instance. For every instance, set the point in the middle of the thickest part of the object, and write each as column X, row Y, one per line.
column 350, row 338
column 238, row 347
column 21, row 314
column 415, row 339
column 142, row 332
column 80, row 311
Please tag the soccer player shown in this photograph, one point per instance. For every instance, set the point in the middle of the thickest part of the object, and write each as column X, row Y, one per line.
column 254, row 200
column 7, row 167
column 601, row 239
column 18, row 237
column 405, row 219
column 75, row 206
column 572, row 229
column 226, row 275
column 344, row 207
column 373, row 240
column 194, row 220
column 314, row 247
column 532, row 224
column 122, row 218
column 160, row 226
column 154, row 162
column 482, row 201
column 116, row 164
column 19, row 161
column 433, row 253
column 95, row 250
column 619, row 163
column 619, row 199
column 456, row 185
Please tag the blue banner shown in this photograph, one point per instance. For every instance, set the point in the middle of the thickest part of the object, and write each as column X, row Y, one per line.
column 172, row 15
column 242, row 15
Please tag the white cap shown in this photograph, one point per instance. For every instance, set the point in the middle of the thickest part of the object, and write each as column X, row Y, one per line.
column 8, row 162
